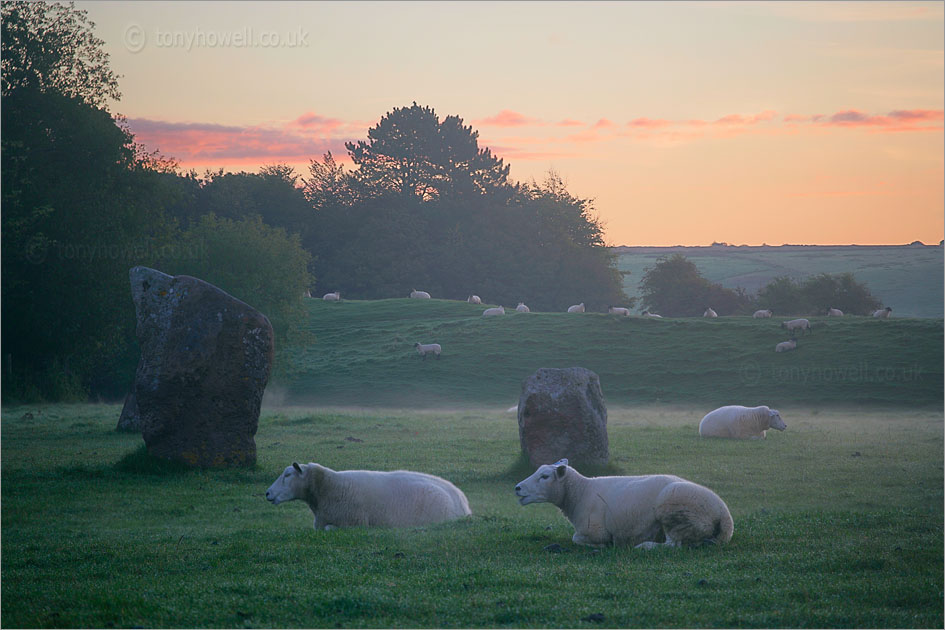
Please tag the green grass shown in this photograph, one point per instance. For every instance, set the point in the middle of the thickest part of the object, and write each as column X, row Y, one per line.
column 363, row 355
column 838, row 523
column 909, row 279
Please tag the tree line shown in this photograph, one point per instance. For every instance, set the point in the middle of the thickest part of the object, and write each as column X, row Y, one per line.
column 674, row 287
column 424, row 207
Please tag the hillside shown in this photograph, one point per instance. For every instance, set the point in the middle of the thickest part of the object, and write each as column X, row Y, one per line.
column 908, row 278
column 363, row 355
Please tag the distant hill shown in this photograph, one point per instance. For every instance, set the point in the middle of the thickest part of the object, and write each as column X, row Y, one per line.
column 909, row 278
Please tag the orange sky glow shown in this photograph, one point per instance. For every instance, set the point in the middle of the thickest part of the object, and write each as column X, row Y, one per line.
column 687, row 123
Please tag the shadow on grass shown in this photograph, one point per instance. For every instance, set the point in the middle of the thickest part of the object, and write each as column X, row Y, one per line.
column 140, row 462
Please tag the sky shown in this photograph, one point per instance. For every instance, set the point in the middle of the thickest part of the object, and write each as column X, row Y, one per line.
column 686, row 123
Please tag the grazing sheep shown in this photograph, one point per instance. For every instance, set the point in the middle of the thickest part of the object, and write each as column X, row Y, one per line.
column 577, row 308
column 764, row 314
column 370, row 498
column 785, row 346
column 521, row 308
column 649, row 314
column 421, row 295
column 493, row 312
column 709, row 312
column 743, row 423
column 332, row 297
column 474, row 299
column 425, row 348
column 645, row 511
column 882, row 313
column 796, row 324
column 619, row 310
column 834, row 312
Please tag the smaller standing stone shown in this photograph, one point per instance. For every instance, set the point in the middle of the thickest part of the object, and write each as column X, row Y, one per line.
column 561, row 413
column 128, row 420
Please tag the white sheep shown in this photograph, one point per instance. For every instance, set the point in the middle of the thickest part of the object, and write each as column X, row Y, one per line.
column 493, row 312
column 796, row 324
column 619, row 310
column 426, row 348
column 736, row 421
column 645, row 511
column 763, row 314
column 786, row 346
column 521, row 308
column 834, row 312
column 576, row 308
column 709, row 312
column 332, row 297
column 882, row 313
column 474, row 299
column 649, row 314
column 422, row 295
column 370, row 498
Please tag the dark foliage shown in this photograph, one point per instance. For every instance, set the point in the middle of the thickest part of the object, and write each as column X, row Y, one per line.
column 816, row 294
column 675, row 288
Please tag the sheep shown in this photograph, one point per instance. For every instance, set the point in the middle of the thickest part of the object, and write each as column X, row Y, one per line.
column 492, row 312
column 764, row 314
column 576, row 308
column 521, row 308
column 646, row 511
column 736, row 421
column 709, row 312
column 796, row 324
column 425, row 348
column 785, row 346
column 834, row 312
column 332, row 297
column 421, row 295
column 619, row 310
column 882, row 313
column 370, row 498
column 649, row 314
column 474, row 299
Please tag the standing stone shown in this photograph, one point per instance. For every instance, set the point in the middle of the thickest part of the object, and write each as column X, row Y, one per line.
column 205, row 361
column 128, row 420
column 561, row 413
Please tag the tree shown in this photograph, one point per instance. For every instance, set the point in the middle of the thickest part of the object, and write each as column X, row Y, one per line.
column 674, row 287
column 51, row 48
column 411, row 153
column 815, row 294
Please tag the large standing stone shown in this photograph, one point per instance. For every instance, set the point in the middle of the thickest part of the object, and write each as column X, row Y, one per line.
column 561, row 413
column 205, row 362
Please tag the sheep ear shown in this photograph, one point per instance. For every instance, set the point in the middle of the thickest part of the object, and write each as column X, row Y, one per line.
column 561, row 470
column 298, row 468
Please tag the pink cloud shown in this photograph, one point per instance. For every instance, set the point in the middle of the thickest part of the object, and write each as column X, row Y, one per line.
column 316, row 121
column 569, row 122
column 603, row 123
column 649, row 123
column 508, row 118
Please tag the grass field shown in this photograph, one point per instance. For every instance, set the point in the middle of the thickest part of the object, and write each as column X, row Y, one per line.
column 909, row 279
column 363, row 355
column 838, row 523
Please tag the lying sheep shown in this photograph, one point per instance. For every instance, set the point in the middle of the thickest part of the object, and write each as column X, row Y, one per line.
column 521, row 308
column 763, row 314
column 649, row 314
column 332, row 297
column 422, row 295
column 796, row 324
column 709, row 312
column 743, row 423
column 577, row 308
column 619, row 310
column 882, row 313
column 645, row 511
column 834, row 312
column 426, row 348
column 474, row 299
column 785, row 346
column 492, row 312
column 370, row 498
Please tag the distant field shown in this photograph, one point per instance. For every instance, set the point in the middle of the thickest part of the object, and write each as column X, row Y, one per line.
column 908, row 278
column 363, row 354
